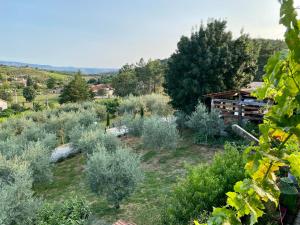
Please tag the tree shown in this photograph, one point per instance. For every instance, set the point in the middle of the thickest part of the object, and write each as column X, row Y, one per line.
column 209, row 61
column 267, row 47
column 125, row 83
column 114, row 175
column 5, row 95
column 29, row 81
column 29, row 93
column 76, row 91
column 17, row 202
column 50, row 83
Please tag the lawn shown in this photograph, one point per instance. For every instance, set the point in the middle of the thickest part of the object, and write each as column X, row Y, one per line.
column 162, row 170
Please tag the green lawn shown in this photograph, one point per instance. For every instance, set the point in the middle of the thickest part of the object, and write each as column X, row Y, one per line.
column 162, row 170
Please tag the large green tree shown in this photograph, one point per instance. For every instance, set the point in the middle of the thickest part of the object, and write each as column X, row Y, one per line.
column 75, row 91
column 29, row 93
column 208, row 61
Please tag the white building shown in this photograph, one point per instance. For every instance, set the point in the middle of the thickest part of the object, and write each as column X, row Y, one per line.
column 3, row 105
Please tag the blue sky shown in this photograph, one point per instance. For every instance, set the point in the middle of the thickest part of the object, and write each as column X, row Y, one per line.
column 110, row 33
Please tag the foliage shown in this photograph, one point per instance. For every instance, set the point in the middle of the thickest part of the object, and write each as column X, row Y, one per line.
column 71, row 211
column 157, row 104
column 209, row 61
column 29, row 93
column 112, row 105
column 51, row 82
column 76, row 91
column 279, row 140
column 267, row 47
column 204, row 187
column 91, row 138
column 160, row 132
column 38, row 158
column 142, row 78
column 6, row 94
column 114, row 175
column 206, row 124
column 131, row 105
column 17, row 204
column 134, row 125
column 125, row 83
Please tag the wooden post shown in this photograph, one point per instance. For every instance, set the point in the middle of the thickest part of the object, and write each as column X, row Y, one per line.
column 240, row 116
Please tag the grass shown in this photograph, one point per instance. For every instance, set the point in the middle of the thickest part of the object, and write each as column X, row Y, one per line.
column 162, row 170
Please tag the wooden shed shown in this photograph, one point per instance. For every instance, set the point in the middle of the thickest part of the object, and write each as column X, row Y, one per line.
column 239, row 104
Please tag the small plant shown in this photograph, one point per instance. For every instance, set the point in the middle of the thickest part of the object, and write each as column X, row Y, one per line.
column 134, row 125
column 160, row 132
column 114, row 175
column 71, row 211
column 207, row 125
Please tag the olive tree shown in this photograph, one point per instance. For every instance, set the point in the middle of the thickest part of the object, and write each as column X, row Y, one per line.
column 17, row 204
column 114, row 175
column 160, row 132
column 205, row 124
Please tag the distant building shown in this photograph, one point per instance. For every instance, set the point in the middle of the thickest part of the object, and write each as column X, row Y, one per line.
column 56, row 90
column 3, row 105
column 102, row 90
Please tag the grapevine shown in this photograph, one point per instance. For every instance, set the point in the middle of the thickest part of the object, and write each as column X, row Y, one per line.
column 280, row 133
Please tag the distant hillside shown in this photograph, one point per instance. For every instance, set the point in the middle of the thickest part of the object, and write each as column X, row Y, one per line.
column 12, row 72
column 68, row 69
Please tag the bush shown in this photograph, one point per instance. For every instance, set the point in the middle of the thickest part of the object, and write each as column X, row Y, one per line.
column 71, row 211
column 207, row 125
column 157, row 104
column 17, row 204
column 181, row 119
column 91, row 138
column 159, row 132
column 204, row 187
column 134, row 125
column 114, row 175
column 131, row 105
column 38, row 158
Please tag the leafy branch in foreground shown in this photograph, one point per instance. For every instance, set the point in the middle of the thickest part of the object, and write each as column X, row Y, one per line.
column 280, row 133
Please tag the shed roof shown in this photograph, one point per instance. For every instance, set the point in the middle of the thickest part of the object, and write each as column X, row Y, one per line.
column 244, row 91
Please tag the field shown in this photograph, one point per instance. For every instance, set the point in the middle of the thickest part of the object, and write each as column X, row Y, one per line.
column 41, row 75
column 162, row 170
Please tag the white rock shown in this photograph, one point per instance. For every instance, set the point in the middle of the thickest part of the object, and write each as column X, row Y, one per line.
column 62, row 152
column 117, row 131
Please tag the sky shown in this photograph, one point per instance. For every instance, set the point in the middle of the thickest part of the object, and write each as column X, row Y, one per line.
column 111, row 33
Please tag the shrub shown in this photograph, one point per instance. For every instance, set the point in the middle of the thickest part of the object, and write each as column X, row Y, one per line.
column 157, row 104
column 159, row 132
column 17, row 204
column 207, row 125
column 204, row 187
column 134, row 125
column 114, row 175
column 93, row 137
column 131, row 105
column 181, row 119
column 38, row 158
column 71, row 211
column 100, row 111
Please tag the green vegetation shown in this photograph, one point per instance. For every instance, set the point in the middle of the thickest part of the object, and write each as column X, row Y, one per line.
column 279, row 140
column 204, row 187
column 76, row 91
column 114, row 174
column 140, row 79
column 209, row 61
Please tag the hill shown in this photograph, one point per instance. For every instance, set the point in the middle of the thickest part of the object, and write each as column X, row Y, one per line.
column 11, row 72
column 69, row 69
